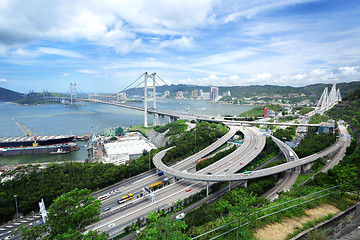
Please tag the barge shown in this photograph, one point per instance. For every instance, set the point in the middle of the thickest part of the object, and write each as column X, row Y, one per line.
column 46, row 144
column 38, row 150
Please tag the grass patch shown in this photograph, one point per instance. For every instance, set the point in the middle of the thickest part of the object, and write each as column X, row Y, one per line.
column 308, row 225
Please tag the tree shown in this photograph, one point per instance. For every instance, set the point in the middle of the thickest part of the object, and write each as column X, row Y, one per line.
column 68, row 216
column 348, row 178
column 163, row 228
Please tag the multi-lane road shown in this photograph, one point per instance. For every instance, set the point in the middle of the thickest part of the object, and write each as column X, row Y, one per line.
column 126, row 213
column 223, row 170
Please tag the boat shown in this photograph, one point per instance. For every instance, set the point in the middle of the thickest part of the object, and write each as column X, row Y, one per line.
column 12, row 151
column 27, row 141
column 81, row 138
column 59, row 151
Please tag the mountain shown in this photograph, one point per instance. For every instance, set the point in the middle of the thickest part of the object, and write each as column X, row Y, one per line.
column 9, row 95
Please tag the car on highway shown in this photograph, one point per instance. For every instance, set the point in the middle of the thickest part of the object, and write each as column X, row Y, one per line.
column 188, row 189
column 209, row 173
column 241, row 163
column 255, row 148
column 107, row 209
column 180, row 216
column 226, row 169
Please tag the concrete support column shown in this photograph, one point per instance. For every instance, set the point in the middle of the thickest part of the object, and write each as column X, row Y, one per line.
column 207, row 188
column 155, row 116
column 162, row 120
column 229, row 186
column 245, row 183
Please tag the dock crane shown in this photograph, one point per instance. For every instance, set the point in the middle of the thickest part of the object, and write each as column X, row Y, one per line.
column 27, row 131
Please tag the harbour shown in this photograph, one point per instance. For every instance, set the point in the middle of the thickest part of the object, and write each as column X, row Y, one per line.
column 56, row 119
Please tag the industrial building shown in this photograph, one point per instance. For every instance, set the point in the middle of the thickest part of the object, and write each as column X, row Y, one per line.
column 126, row 148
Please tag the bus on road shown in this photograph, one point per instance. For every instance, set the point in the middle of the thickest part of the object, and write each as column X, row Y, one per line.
column 125, row 198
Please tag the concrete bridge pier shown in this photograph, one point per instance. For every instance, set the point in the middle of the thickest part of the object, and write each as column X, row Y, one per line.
column 245, row 183
column 155, row 117
column 172, row 119
column 161, row 118
column 207, row 188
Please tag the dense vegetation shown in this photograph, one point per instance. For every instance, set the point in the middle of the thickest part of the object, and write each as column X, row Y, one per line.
column 31, row 183
column 303, row 110
column 347, row 172
column 8, row 95
column 286, row 134
column 313, row 142
column 33, row 101
column 205, row 134
column 317, row 118
column 174, row 128
column 67, row 220
column 259, row 111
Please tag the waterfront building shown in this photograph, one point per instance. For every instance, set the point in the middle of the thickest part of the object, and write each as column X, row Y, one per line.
column 228, row 93
column 166, row 94
column 126, row 148
column 205, row 96
column 121, row 96
column 179, row 94
column 214, row 93
column 194, row 93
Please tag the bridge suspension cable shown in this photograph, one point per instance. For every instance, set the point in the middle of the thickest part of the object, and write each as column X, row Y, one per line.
column 133, row 83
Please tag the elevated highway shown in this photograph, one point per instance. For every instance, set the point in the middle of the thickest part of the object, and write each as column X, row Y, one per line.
column 256, row 174
column 122, row 215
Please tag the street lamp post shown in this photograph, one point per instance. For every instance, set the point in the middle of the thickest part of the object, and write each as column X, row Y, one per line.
column 17, row 211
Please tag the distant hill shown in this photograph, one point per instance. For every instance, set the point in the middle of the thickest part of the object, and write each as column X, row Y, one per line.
column 7, row 95
column 312, row 92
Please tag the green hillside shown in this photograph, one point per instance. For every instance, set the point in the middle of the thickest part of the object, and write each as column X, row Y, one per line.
column 7, row 95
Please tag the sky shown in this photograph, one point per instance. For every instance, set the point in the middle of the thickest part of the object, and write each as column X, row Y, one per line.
column 104, row 45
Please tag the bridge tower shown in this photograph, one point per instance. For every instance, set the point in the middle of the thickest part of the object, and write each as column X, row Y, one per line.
column 146, row 96
column 72, row 93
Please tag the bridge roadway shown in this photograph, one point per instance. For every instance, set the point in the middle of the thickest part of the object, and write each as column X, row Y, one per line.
column 139, row 207
column 290, row 177
column 197, row 117
column 256, row 174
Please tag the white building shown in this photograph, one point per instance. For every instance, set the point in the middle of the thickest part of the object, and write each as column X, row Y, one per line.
column 126, row 149
column 214, row 93
column 205, row 95
column 121, row 96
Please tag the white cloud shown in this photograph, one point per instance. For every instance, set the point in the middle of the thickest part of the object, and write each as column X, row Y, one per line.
column 65, row 74
column 60, row 52
column 25, row 53
column 86, row 71
column 248, row 9
column 349, row 70
column 183, row 42
column 261, row 77
column 3, row 80
column 110, row 23
column 225, row 57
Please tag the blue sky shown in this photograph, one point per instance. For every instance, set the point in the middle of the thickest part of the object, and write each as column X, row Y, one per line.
column 104, row 45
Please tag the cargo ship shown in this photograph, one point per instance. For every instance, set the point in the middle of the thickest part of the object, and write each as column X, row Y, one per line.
column 45, row 144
